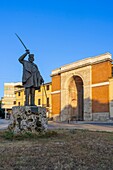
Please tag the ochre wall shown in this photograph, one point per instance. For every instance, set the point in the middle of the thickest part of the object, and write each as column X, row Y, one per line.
column 56, row 96
column 101, row 72
column 100, row 99
column 56, row 106
column 56, row 83
column 111, row 96
column 111, row 89
column 20, row 99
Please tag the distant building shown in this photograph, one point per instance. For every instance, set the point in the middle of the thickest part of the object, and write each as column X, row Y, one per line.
column 9, row 99
column 83, row 90
column 14, row 96
column 42, row 96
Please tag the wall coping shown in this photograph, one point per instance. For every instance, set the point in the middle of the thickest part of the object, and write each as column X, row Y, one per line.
column 83, row 63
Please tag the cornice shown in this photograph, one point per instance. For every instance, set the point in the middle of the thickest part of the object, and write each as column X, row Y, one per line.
column 82, row 63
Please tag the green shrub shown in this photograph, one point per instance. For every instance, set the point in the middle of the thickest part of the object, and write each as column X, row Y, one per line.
column 8, row 135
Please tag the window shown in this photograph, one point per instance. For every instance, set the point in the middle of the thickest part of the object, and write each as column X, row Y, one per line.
column 39, row 101
column 14, row 102
column 47, row 87
column 39, row 90
column 18, row 93
column 47, row 101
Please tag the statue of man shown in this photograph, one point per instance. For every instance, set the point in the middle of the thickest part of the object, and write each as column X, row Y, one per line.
column 31, row 78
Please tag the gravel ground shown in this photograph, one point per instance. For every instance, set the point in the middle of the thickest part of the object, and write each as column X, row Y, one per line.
column 67, row 149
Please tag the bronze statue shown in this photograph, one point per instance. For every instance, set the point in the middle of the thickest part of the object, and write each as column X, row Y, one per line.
column 31, row 78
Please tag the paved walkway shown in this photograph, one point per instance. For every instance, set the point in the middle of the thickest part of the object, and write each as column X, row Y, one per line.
column 4, row 124
column 93, row 126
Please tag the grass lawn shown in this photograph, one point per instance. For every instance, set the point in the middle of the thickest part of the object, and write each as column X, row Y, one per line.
column 57, row 150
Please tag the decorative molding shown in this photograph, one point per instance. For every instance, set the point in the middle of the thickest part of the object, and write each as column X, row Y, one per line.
column 82, row 63
column 100, row 84
column 55, row 92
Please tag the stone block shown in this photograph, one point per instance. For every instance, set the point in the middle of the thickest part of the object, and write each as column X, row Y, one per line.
column 103, row 116
column 28, row 119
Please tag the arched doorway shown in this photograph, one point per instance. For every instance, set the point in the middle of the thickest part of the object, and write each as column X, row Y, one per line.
column 76, row 98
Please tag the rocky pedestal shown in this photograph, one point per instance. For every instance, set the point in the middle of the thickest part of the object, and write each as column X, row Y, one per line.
column 28, row 119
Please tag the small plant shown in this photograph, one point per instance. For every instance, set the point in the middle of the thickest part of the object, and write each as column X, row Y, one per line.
column 23, row 136
column 8, row 135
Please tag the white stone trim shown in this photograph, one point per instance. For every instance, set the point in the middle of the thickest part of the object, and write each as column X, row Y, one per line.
column 55, row 92
column 82, row 63
column 13, row 84
column 100, row 84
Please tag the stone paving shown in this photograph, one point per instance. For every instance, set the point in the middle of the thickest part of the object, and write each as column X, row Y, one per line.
column 4, row 124
column 93, row 126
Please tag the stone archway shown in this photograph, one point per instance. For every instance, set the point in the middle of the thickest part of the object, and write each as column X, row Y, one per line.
column 75, row 98
column 70, row 106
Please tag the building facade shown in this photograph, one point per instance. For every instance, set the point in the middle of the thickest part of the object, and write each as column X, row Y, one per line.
column 83, row 90
column 42, row 97
column 9, row 99
column 14, row 95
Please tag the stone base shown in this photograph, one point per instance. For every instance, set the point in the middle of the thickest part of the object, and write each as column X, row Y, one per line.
column 104, row 116
column 28, row 119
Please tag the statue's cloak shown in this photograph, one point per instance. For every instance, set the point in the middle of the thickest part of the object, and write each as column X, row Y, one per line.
column 31, row 75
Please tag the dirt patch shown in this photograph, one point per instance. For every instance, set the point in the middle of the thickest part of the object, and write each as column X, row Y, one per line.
column 65, row 150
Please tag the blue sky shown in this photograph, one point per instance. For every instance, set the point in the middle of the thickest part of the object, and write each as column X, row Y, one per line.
column 58, row 32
